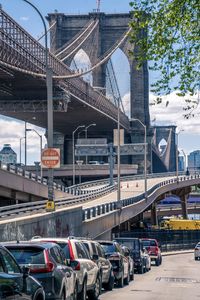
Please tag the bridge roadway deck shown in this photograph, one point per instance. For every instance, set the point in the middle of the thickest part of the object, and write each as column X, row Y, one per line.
column 98, row 225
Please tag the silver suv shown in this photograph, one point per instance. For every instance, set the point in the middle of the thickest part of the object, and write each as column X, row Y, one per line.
column 98, row 255
column 87, row 271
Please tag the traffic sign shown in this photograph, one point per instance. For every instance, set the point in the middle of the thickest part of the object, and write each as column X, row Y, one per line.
column 50, row 206
column 91, row 150
column 132, row 149
column 50, row 158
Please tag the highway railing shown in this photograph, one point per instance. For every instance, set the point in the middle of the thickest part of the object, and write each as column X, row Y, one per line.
column 104, row 208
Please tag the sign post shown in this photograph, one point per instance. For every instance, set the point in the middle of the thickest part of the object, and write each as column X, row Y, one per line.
column 50, row 159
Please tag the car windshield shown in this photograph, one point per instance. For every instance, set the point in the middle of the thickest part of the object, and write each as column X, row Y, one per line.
column 148, row 243
column 28, row 255
column 108, row 248
column 65, row 248
column 132, row 244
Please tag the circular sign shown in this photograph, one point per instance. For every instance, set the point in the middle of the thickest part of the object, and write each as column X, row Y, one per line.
column 50, row 158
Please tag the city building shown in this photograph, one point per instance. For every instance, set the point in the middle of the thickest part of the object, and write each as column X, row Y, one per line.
column 8, row 155
column 194, row 161
column 181, row 163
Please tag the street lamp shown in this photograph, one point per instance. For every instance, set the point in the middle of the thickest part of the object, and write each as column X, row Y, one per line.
column 145, row 154
column 40, row 136
column 49, row 103
column 86, row 136
column 73, row 153
column 20, row 149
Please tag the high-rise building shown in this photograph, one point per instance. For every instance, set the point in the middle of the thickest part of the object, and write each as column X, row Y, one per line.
column 8, row 155
column 194, row 161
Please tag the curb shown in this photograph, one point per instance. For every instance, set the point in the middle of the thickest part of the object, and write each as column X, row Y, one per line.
column 177, row 252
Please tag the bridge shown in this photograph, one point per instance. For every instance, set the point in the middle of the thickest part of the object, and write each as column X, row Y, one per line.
column 75, row 101
column 96, row 215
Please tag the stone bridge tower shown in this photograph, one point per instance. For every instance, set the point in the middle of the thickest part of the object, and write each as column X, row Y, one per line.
column 110, row 29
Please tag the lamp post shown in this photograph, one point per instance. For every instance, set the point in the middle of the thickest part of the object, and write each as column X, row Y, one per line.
column 145, row 154
column 49, row 103
column 86, row 136
column 20, row 149
column 73, row 153
column 40, row 136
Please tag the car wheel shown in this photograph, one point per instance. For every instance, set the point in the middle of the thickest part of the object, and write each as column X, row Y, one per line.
column 75, row 294
column 132, row 275
column 120, row 281
column 127, row 279
column 110, row 284
column 141, row 269
column 157, row 262
column 94, row 294
column 82, row 295
column 63, row 295
column 39, row 295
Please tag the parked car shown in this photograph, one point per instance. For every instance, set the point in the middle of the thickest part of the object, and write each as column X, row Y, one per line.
column 15, row 282
column 137, row 252
column 153, row 249
column 197, row 251
column 127, row 253
column 87, row 271
column 147, row 261
column 97, row 253
column 47, row 264
column 119, row 262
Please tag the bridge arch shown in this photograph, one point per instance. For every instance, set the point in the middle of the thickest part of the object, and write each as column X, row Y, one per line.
column 81, row 61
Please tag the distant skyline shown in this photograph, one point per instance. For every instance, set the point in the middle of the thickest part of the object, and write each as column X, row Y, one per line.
column 11, row 130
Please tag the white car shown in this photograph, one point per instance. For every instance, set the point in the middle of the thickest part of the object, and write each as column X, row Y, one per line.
column 197, row 251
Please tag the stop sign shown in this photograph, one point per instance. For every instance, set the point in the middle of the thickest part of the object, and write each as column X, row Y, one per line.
column 50, row 158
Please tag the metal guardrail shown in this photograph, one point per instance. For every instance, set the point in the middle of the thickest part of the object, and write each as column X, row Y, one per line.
column 96, row 211
column 40, row 206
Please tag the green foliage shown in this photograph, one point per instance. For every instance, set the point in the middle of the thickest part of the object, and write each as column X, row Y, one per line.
column 167, row 33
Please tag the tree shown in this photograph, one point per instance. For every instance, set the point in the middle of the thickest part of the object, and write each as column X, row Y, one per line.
column 166, row 33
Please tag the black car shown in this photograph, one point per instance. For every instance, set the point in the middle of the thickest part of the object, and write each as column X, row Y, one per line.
column 97, row 254
column 137, row 252
column 48, row 265
column 119, row 262
column 16, row 283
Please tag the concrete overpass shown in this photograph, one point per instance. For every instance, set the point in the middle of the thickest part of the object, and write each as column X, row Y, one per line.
column 97, row 218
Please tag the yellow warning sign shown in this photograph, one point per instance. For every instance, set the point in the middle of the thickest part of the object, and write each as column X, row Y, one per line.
column 50, row 206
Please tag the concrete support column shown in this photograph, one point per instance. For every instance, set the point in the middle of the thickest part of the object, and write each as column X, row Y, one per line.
column 154, row 218
column 184, row 206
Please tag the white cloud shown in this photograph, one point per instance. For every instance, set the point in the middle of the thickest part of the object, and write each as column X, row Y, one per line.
column 12, row 130
column 173, row 113
column 126, row 103
column 24, row 18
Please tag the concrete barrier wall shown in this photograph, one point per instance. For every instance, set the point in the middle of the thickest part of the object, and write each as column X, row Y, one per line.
column 58, row 224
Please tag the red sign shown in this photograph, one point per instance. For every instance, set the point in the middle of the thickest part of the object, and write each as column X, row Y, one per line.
column 50, row 158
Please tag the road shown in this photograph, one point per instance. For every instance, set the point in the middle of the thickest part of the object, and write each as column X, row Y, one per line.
column 128, row 189
column 176, row 279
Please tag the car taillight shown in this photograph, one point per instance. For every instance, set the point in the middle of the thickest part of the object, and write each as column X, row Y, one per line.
column 156, row 250
column 71, row 253
column 46, row 268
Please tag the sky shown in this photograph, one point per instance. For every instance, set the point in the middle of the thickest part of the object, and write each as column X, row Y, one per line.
column 169, row 112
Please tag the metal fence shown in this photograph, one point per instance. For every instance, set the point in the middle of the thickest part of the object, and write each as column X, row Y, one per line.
column 169, row 240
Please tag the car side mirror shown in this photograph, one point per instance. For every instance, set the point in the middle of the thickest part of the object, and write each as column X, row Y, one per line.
column 25, row 271
column 95, row 257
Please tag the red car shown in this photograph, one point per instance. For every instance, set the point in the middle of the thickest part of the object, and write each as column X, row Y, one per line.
column 153, row 249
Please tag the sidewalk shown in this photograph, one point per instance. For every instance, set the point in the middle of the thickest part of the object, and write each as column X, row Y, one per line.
column 177, row 252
